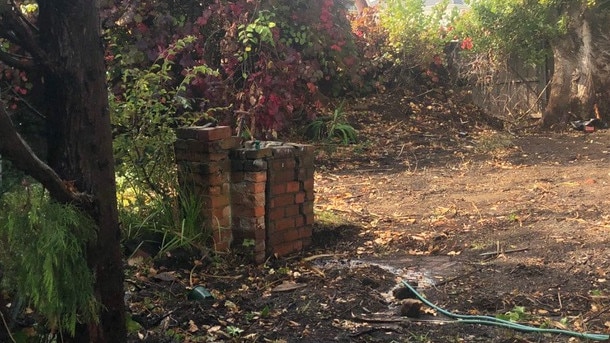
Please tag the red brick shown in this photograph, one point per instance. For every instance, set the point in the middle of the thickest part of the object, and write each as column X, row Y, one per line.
column 282, row 200
column 292, row 210
column 215, row 190
column 227, row 143
column 243, row 211
column 256, row 177
column 275, row 238
column 283, row 249
column 306, row 231
column 281, row 164
column 259, row 256
column 246, row 187
column 299, row 198
column 284, row 151
column 255, row 187
column 255, row 154
column 299, row 221
column 213, row 133
column 276, row 213
column 306, row 241
column 237, row 177
column 306, row 207
column 309, row 195
column 278, row 189
column 215, row 201
column 292, row 235
column 293, row 187
column 286, row 175
column 308, row 184
column 221, row 222
column 249, row 199
column 309, row 219
column 259, row 245
column 217, row 179
column 284, row 223
column 222, row 239
column 221, row 212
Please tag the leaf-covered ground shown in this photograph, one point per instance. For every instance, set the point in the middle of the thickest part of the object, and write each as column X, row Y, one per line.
column 482, row 219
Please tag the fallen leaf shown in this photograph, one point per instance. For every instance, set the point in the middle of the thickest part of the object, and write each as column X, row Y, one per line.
column 193, row 327
column 288, row 286
column 165, row 276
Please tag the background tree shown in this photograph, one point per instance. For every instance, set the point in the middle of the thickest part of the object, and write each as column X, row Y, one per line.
column 65, row 48
column 571, row 34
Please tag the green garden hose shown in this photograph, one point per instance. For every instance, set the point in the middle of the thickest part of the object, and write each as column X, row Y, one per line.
column 487, row 320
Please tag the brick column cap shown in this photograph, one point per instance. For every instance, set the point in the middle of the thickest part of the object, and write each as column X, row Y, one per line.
column 204, row 134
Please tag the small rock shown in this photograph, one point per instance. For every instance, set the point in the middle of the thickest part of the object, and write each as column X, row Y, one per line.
column 411, row 308
column 403, row 293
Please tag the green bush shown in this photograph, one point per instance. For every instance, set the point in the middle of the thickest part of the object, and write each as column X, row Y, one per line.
column 42, row 251
column 149, row 106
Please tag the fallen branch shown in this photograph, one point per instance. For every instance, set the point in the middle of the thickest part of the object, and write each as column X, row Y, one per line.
column 395, row 328
column 498, row 252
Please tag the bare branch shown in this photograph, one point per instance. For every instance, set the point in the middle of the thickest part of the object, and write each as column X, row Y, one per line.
column 17, row 29
column 16, row 61
column 16, row 150
column 24, row 18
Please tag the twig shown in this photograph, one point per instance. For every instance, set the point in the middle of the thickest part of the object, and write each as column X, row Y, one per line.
column 456, row 277
column 380, row 318
column 394, row 328
column 10, row 335
column 401, row 149
column 477, row 209
column 498, row 252
column 586, row 320
column 235, row 277
column 315, row 257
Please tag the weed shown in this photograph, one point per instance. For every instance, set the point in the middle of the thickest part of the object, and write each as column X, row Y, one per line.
column 332, row 127
column 234, row 331
column 515, row 315
column 328, row 218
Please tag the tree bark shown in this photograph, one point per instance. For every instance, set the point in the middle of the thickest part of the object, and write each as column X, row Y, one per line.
column 578, row 75
column 80, row 144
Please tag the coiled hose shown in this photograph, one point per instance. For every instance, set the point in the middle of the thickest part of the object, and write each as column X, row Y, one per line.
column 487, row 320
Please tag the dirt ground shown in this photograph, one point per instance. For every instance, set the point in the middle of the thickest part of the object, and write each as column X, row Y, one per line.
column 482, row 217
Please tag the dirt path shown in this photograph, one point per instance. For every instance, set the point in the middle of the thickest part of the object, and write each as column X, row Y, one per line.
column 539, row 201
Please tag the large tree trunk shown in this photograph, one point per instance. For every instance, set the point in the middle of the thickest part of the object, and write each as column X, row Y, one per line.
column 80, row 144
column 579, row 69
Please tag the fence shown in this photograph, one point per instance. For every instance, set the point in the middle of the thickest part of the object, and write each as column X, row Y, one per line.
column 511, row 89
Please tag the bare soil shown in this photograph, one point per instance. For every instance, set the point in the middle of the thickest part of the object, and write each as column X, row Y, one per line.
column 483, row 218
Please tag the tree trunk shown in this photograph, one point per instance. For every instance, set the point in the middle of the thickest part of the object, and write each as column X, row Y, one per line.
column 80, row 144
column 577, row 74
column 361, row 5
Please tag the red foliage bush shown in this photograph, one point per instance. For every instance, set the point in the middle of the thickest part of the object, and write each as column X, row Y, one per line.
column 278, row 59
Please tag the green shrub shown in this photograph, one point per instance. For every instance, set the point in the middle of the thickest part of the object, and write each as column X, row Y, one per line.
column 42, row 251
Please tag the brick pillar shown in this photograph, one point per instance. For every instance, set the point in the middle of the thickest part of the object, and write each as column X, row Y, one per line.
column 290, row 198
column 248, row 198
column 304, row 166
column 204, row 168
